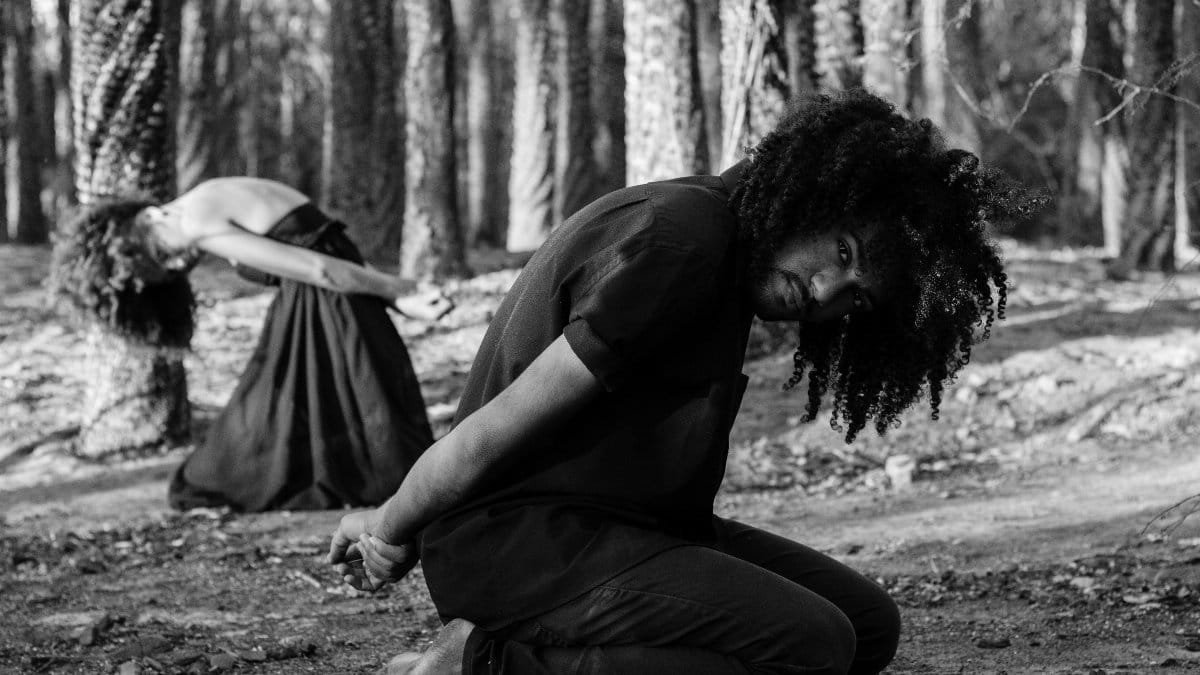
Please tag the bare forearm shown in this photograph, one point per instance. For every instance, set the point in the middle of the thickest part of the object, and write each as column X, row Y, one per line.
column 439, row 481
column 346, row 277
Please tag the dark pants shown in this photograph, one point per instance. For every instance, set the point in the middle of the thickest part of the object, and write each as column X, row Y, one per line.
column 756, row 603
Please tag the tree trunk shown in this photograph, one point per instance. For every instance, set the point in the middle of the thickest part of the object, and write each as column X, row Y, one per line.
column 665, row 135
column 198, row 94
column 1080, row 195
column 4, row 123
column 801, row 41
column 755, row 81
column 64, row 142
column 1187, row 141
column 839, row 43
column 1146, row 242
column 485, row 190
column 885, row 49
column 122, row 85
column 934, row 86
column 574, row 173
column 708, row 55
column 531, row 182
column 608, row 37
column 433, row 246
column 262, row 82
column 366, row 181
column 31, row 221
column 230, row 69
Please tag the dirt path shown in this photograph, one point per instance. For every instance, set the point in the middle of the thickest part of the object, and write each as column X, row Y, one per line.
column 1017, row 549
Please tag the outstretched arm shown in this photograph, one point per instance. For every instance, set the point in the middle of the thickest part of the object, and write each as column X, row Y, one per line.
column 318, row 269
column 551, row 390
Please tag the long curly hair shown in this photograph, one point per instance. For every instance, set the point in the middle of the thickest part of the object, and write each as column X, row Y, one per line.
column 848, row 159
column 107, row 269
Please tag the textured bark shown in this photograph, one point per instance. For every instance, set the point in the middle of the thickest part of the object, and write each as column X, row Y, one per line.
column 1187, row 141
column 885, row 49
column 934, row 85
column 801, row 41
column 963, row 125
column 608, row 38
column 708, row 55
column 1147, row 242
column 574, row 173
column 1083, row 143
column 229, row 68
column 755, row 83
column 30, row 226
column 4, row 123
column 262, row 54
column 485, row 188
column 366, row 181
column 64, row 141
column 122, row 85
column 433, row 246
column 839, row 43
column 531, row 181
column 198, row 93
column 664, row 135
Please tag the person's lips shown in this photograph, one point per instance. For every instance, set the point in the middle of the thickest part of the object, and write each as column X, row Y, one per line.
column 796, row 296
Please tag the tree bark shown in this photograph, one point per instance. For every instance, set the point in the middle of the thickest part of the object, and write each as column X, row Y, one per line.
column 366, row 182
column 1187, row 141
column 122, row 85
column 755, row 82
column 665, row 135
column 485, row 189
column 531, row 181
column 885, row 49
column 608, row 38
column 4, row 123
column 1146, row 242
column 839, row 43
column 30, row 227
column 708, row 55
column 801, row 42
column 198, row 87
column 433, row 246
column 64, row 141
column 574, row 173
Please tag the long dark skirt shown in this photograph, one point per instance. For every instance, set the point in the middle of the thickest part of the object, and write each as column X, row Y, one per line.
column 328, row 412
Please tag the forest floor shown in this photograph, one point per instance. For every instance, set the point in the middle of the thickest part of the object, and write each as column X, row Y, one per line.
column 1030, row 539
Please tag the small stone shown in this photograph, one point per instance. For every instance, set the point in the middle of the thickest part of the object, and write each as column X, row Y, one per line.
column 899, row 470
column 252, row 655
column 221, row 662
column 130, row 668
column 993, row 643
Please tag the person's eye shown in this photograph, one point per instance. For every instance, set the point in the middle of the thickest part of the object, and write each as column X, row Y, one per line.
column 844, row 252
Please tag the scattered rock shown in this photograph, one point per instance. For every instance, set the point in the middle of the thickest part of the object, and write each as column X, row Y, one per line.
column 221, row 662
column 993, row 643
column 899, row 470
column 130, row 668
column 146, row 646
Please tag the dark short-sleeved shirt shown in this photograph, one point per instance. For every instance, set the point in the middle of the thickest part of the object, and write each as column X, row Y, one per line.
column 646, row 285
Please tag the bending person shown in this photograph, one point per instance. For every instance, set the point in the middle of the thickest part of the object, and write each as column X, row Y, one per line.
column 328, row 411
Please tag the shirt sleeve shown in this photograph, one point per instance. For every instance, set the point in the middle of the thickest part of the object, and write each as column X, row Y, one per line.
column 636, row 306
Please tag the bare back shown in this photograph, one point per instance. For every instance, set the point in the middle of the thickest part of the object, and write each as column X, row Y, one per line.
column 254, row 204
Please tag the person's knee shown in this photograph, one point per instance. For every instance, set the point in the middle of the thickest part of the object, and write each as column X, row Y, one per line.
column 877, row 631
column 820, row 644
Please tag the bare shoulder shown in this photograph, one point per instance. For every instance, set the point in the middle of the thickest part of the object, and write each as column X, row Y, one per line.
column 254, row 204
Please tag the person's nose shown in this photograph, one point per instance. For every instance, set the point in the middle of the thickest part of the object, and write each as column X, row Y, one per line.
column 834, row 291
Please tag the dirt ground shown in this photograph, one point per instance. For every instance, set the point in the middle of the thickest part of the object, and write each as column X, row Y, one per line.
column 1031, row 538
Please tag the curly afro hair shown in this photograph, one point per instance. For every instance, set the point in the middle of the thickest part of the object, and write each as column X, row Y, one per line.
column 848, row 159
column 107, row 269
